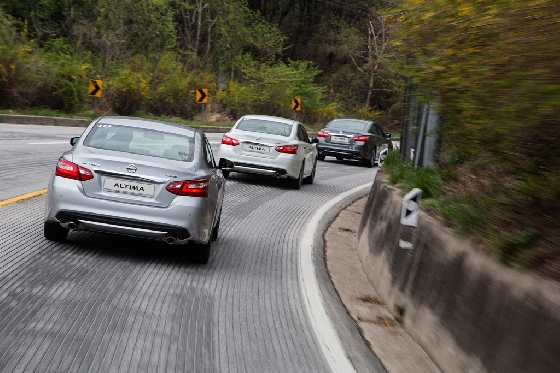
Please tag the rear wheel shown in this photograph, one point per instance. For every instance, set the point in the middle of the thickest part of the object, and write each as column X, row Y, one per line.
column 371, row 161
column 296, row 183
column 201, row 252
column 216, row 228
column 309, row 179
column 55, row 232
column 225, row 173
column 321, row 157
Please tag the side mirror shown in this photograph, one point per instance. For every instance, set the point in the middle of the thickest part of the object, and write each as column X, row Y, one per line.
column 387, row 135
column 74, row 140
column 225, row 164
column 314, row 141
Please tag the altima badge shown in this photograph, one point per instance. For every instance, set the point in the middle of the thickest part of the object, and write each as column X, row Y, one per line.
column 131, row 168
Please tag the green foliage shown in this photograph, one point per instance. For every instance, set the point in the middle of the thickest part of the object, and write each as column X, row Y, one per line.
column 67, row 77
column 402, row 172
column 171, row 89
column 152, row 54
column 466, row 213
column 17, row 60
column 493, row 67
column 396, row 167
column 130, row 89
column 269, row 88
column 426, row 178
column 512, row 245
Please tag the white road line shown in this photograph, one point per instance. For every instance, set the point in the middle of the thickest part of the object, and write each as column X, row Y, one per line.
column 322, row 325
column 49, row 143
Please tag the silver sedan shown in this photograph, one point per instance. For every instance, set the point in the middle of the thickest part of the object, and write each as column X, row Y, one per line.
column 140, row 178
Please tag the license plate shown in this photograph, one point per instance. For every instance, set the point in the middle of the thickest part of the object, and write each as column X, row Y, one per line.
column 256, row 148
column 130, row 187
column 343, row 139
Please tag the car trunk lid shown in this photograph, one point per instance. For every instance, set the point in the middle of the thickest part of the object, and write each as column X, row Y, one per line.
column 139, row 180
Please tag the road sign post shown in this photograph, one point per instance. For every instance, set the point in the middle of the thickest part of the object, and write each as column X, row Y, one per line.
column 201, row 97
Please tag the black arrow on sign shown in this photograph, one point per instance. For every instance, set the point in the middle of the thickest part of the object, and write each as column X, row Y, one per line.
column 96, row 88
column 202, row 95
column 296, row 104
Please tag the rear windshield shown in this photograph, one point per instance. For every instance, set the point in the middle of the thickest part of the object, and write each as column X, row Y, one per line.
column 141, row 141
column 348, row 125
column 265, row 126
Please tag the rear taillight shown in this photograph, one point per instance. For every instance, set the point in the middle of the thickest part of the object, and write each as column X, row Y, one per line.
column 193, row 188
column 72, row 171
column 322, row 134
column 226, row 140
column 288, row 149
column 360, row 138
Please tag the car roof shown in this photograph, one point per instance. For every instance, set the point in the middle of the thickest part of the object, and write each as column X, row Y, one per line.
column 270, row 118
column 351, row 120
column 149, row 123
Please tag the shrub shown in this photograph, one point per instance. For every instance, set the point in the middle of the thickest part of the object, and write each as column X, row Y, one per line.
column 401, row 172
column 466, row 213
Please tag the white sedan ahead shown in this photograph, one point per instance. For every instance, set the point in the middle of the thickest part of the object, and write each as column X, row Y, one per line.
column 271, row 146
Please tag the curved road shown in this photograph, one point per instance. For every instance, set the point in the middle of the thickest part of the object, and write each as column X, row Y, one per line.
column 102, row 303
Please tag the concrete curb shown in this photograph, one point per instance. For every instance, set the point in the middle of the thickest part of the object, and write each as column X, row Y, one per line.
column 72, row 122
column 396, row 350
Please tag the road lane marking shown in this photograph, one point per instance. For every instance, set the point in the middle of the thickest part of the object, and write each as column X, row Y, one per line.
column 314, row 304
column 22, row 197
column 49, row 143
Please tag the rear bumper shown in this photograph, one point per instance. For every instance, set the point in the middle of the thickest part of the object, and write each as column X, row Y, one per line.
column 340, row 151
column 131, row 227
column 186, row 218
column 249, row 168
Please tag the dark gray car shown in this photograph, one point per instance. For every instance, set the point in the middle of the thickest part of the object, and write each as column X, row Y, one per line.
column 347, row 138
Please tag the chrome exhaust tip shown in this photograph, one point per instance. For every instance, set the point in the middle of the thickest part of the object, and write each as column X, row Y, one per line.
column 170, row 240
column 70, row 225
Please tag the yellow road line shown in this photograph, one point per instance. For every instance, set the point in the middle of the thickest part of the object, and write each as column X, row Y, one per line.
column 21, row 198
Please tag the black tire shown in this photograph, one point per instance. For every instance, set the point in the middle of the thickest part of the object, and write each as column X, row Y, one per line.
column 321, row 157
column 216, row 228
column 309, row 179
column 296, row 183
column 225, row 173
column 201, row 252
column 370, row 163
column 55, row 232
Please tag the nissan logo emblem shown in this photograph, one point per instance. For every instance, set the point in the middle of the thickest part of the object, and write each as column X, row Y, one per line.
column 131, row 168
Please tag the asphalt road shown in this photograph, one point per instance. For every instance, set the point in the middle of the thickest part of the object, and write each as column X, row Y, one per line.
column 102, row 303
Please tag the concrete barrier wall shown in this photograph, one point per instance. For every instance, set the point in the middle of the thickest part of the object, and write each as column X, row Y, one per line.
column 71, row 122
column 44, row 121
column 469, row 312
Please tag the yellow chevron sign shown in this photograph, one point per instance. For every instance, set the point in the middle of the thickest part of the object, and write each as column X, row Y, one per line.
column 201, row 95
column 95, row 87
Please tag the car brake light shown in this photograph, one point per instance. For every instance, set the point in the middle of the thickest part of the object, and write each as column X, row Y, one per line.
column 192, row 188
column 226, row 140
column 72, row 171
column 360, row 138
column 288, row 149
column 322, row 134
